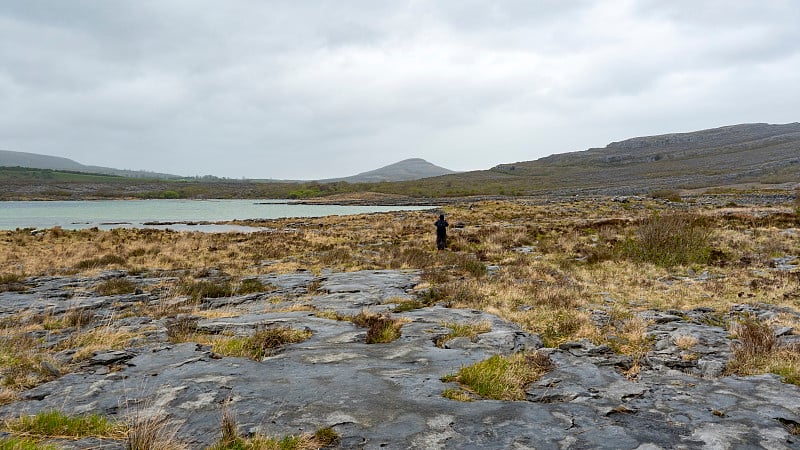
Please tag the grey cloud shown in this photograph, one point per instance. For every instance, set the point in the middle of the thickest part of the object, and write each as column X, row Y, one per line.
column 319, row 89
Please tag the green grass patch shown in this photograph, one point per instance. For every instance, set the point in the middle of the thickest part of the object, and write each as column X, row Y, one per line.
column 216, row 289
column 503, row 377
column 54, row 423
column 13, row 443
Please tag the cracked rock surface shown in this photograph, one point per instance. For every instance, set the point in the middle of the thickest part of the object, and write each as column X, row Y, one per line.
column 389, row 395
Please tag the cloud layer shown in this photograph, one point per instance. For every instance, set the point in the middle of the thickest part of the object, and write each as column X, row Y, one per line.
column 317, row 89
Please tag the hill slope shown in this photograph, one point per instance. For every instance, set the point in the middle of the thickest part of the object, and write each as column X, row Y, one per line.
column 38, row 161
column 760, row 153
column 406, row 170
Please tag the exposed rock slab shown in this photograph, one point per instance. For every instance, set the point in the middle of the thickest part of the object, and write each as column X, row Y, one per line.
column 389, row 395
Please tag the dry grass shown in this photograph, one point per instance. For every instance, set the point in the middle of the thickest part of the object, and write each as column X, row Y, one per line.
column 757, row 350
column 24, row 363
column 685, row 341
column 105, row 337
column 581, row 255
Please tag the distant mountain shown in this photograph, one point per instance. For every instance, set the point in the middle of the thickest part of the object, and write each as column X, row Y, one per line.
column 406, row 170
column 37, row 161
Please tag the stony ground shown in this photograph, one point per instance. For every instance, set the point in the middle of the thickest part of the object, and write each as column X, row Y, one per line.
column 390, row 395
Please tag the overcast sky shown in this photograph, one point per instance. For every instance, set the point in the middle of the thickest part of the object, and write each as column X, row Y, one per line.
column 317, row 89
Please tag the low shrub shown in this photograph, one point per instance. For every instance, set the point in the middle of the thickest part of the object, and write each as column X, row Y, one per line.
column 670, row 240
column 797, row 201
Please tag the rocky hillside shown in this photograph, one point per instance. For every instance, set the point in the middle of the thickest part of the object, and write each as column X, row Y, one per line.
column 728, row 155
column 408, row 169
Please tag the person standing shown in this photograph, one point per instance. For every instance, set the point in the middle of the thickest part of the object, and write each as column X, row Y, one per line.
column 441, row 233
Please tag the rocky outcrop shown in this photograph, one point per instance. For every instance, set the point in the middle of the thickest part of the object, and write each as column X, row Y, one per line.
column 389, row 395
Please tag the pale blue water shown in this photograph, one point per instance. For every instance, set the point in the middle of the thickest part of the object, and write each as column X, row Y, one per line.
column 107, row 214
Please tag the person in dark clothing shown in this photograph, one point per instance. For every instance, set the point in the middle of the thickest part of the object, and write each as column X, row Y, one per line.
column 441, row 232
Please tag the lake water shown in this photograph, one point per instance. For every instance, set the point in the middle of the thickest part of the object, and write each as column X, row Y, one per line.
column 173, row 214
